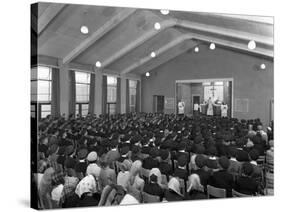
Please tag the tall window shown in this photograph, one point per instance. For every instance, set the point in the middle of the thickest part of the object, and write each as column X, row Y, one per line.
column 41, row 90
column 111, row 94
column 82, row 82
column 132, row 94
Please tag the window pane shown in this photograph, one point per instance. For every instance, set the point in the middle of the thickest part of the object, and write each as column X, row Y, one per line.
column 44, row 87
column 45, row 113
column 43, row 97
column 45, row 107
column 132, row 83
column 206, row 83
column 33, row 87
column 34, row 97
column 82, row 77
column 111, row 94
column 84, row 112
column 112, row 108
column 111, row 80
column 82, row 92
column 32, row 108
column 85, row 106
column 44, row 73
column 218, row 83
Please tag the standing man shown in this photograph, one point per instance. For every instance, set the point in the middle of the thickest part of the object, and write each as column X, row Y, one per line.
column 210, row 111
column 224, row 109
column 181, row 106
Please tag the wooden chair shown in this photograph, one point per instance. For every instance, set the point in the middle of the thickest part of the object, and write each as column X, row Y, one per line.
column 238, row 194
column 215, row 192
column 148, row 198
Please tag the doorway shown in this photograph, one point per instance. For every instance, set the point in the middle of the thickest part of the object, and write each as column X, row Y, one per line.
column 158, row 104
column 195, row 100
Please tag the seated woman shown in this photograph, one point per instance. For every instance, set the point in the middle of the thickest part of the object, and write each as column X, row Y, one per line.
column 154, row 187
column 194, row 189
column 246, row 184
column 173, row 193
column 124, row 174
column 87, row 192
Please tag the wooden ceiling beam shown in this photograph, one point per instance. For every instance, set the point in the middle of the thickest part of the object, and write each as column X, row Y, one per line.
column 108, row 26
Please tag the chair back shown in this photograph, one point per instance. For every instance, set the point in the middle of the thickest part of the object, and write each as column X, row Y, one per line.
column 148, row 198
column 238, row 194
column 215, row 192
column 164, row 180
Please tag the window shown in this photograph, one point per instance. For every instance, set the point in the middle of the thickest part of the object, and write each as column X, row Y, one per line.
column 41, row 90
column 132, row 95
column 111, row 94
column 82, row 82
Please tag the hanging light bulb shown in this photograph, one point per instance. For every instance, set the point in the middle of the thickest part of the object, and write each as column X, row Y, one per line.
column 152, row 54
column 262, row 66
column 147, row 74
column 212, row 46
column 98, row 64
column 196, row 49
column 84, row 30
column 252, row 44
column 157, row 26
column 164, row 12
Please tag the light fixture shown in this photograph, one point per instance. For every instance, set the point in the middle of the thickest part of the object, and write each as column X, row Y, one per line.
column 262, row 66
column 152, row 54
column 164, row 12
column 147, row 74
column 212, row 46
column 98, row 64
column 157, row 26
column 252, row 44
column 196, row 49
column 84, row 30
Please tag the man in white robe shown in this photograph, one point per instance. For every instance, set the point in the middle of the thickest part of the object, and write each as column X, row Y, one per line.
column 210, row 111
column 224, row 109
column 181, row 106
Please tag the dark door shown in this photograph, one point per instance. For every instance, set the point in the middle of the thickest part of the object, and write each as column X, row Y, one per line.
column 158, row 104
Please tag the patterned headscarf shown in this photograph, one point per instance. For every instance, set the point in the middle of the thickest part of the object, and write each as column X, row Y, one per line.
column 174, row 185
column 156, row 172
column 87, row 184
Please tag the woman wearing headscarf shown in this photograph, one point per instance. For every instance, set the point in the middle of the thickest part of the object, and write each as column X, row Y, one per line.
column 87, row 192
column 135, row 180
column 154, row 186
column 94, row 170
column 45, row 189
column 173, row 193
column 107, row 175
column 194, row 189
column 124, row 174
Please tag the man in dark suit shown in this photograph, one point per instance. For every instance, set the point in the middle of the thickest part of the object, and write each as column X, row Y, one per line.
column 164, row 166
column 221, row 178
column 181, row 170
column 151, row 161
column 203, row 174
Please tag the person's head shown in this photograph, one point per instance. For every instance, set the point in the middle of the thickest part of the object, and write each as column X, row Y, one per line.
column 92, row 157
column 103, row 161
column 135, row 168
column 224, row 162
column 86, row 185
column 194, row 183
column 94, row 170
column 155, row 176
column 174, row 185
column 254, row 154
column 247, row 169
column 182, row 161
column 125, row 165
column 200, row 161
column 165, row 155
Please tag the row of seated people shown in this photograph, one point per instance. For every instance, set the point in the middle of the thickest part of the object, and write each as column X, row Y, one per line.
column 148, row 166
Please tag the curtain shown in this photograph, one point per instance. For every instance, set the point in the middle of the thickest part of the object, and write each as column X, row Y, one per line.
column 118, row 96
column 138, row 97
column 92, row 95
column 72, row 93
column 104, row 94
column 127, row 96
column 55, row 103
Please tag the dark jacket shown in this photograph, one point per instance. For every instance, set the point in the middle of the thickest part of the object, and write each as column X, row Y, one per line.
column 222, row 179
column 246, row 185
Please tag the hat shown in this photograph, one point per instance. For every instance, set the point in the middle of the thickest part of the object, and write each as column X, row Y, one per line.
column 182, row 160
column 247, row 168
column 153, row 152
column 254, row 154
column 164, row 154
column 92, row 156
column 242, row 156
column 200, row 161
column 212, row 163
column 224, row 162
column 82, row 153
column 124, row 150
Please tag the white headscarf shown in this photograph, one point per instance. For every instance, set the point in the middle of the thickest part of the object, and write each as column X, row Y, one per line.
column 87, row 184
column 94, row 170
column 156, row 172
column 129, row 200
column 174, row 185
column 194, row 183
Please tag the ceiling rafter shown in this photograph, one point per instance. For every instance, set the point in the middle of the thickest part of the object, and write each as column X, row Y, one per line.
column 219, row 31
column 108, row 26
column 48, row 15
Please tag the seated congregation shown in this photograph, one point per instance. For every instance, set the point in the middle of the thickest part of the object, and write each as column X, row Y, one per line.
column 143, row 158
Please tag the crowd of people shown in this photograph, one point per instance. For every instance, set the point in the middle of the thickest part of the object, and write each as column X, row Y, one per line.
column 140, row 158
